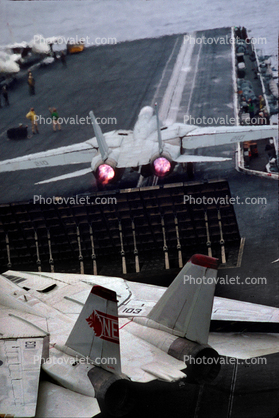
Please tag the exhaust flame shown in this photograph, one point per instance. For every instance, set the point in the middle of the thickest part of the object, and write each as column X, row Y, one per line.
column 105, row 173
column 162, row 166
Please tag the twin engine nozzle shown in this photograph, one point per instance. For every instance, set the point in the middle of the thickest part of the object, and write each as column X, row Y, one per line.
column 107, row 171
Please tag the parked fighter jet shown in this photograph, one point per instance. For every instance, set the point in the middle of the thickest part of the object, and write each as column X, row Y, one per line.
column 149, row 148
column 8, row 64
column 38, row 45
column 96, row 351
column 16, row 54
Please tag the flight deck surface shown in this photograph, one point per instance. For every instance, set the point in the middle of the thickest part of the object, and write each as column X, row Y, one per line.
column 188, row 81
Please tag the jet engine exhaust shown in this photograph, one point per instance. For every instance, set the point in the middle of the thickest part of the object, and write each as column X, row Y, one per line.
column 113, row 392
column 105, row 173
column 202, row 361
column 162, row 166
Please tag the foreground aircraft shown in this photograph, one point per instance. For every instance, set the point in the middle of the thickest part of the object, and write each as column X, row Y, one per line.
column 149, row 148
column 97, row 351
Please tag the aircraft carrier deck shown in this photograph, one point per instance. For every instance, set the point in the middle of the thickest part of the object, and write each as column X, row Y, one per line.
column 116, row 82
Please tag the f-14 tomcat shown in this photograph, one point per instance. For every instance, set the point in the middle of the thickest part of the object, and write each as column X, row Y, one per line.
column 149, row 148
column 97, row 337
column 15, row 53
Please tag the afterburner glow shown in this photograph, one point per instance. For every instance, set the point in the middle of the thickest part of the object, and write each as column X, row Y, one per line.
column 162, row 166
column 105, row 173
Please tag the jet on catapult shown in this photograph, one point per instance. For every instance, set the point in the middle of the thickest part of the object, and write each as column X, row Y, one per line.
column 149, row 148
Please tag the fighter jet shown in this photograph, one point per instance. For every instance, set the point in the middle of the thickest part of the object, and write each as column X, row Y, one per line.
column 16, row 54
column 8, row 64
column 150, row 148
column 98, row 337
column 38, row 45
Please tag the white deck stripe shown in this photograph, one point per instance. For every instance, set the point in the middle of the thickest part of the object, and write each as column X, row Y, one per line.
column 173, row 95
column 194, row 81
column 163, row 74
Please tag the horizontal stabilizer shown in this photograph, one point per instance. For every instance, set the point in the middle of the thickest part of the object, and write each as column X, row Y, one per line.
column 184, row 158
column 96, row 332
column 244, row 345
column 222, row 135
column 185, row 307
column 55, row 401
column 163, row 371
column 78, row 173
column 239, row 311
column 72, row 154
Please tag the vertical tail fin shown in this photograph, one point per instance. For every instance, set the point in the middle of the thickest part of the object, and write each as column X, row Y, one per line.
column 160, row 142
column 103, row 147
column 96, row 332
column 186, row 306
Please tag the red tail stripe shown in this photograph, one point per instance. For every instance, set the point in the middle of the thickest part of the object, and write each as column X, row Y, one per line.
column 104, row 293
column 205, row 261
